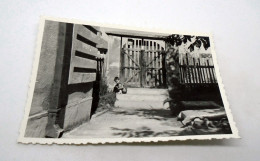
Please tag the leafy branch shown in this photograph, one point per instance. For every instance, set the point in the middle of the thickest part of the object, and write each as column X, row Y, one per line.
column 177, row 40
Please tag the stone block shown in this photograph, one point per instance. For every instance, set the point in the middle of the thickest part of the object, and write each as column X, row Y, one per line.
column 76, row 113
column 36, row 125
column 83, row 62
column 75, row 78
column 86, row 33
column 83, row 47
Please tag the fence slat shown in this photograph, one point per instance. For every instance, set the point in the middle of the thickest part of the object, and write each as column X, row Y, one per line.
column 184, row 71
column 202, row 72
column 187, row 67
column 214, row 75
column 181, row 75
column 192, row 72
column 199, row 73
column 195, row 72
column 210, row 75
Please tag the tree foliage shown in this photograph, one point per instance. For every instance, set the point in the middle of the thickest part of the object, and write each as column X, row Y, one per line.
column 177, row 40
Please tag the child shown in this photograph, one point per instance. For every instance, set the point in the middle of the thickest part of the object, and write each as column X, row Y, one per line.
column 119, row 88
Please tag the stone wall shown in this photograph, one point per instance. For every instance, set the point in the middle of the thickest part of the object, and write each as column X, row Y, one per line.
column 63, row 95
column 46, row 70
column 88, row 46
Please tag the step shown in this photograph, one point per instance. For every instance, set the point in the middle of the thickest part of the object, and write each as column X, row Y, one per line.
column 141, row 104
column 148, row 91
column 138, row 97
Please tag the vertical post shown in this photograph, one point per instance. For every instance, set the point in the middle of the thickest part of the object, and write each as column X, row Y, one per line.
column 133, row 64
column 127, row 69
column 151, row 63
column 155, row 64
column 159, row 68
column 137, row 60
column 164, row 69
column 143, row 66
column 59, row 87
column 148, row 60
column 122, row 61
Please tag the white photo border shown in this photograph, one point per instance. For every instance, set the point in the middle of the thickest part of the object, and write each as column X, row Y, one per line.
column 27, row 140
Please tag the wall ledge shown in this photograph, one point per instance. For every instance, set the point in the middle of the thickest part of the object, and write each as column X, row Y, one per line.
column 77, row 102
column 38, row 115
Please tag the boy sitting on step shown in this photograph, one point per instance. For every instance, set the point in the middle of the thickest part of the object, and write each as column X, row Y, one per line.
column 119, row 88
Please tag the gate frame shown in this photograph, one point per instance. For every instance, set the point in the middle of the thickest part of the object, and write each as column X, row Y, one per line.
column 150, row 36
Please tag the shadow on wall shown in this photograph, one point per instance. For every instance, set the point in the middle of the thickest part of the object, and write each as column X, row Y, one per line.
column 73, row 93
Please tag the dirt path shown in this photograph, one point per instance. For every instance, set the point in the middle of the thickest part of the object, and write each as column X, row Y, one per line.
column 118, row 123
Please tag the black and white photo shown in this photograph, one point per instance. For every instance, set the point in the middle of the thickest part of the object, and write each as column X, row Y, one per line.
column 105, row 84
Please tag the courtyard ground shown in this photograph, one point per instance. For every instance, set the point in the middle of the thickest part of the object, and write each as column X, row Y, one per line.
column 120, row 122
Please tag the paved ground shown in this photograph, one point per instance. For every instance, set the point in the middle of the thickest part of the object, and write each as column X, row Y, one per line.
column 129, row 122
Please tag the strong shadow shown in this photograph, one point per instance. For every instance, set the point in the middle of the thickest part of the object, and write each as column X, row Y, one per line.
column 145, row 131
column 142, row 132
column 156, row 114
column 200, row 93
column 97, row 87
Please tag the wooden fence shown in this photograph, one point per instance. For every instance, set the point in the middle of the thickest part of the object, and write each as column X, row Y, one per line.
column 141, row 63
column 197, row 71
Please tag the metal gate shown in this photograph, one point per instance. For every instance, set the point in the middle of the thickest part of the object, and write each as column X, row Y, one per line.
column 142, row 63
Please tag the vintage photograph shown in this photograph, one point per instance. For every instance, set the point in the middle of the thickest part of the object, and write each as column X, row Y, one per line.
column 102, row 84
